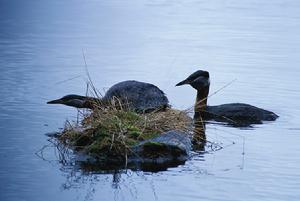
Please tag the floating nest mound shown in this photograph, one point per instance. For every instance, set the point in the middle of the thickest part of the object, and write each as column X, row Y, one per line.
column 111, row 130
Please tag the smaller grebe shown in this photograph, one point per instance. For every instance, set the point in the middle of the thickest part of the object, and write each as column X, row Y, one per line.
column 140, row 96
column 236, row 114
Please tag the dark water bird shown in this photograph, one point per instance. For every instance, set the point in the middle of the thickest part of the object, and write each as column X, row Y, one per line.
column 140, row 96
column 236, row 114
column 76, row 101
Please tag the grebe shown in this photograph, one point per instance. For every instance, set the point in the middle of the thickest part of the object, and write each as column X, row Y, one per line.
column 236, row 114
column 140, row 96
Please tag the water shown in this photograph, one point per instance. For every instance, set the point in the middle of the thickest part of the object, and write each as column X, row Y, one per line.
column 254, row 42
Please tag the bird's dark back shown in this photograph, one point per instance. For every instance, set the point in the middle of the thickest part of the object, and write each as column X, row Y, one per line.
column 140, row 95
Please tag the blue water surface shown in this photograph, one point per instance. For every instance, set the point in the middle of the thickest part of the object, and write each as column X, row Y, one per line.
column 256, row 43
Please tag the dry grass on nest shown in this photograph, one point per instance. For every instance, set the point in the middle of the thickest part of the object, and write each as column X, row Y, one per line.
column 170, row 119
column 112, row 129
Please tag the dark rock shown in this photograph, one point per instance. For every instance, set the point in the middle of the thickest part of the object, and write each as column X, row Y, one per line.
column 169, row 146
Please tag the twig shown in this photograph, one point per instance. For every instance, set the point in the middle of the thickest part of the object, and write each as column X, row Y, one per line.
column 72, row 78
column 226, row 85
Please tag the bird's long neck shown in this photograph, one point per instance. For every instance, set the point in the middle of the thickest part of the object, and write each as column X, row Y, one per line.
column 91, row 102
column 199, row 137
column 201, row 102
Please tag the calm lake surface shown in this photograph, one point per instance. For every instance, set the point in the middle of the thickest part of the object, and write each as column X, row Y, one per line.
column 255, row 42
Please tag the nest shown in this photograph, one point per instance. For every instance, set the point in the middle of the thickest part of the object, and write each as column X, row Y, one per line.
column 111, row 129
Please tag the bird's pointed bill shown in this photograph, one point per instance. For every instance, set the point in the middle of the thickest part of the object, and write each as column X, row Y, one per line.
column 57, row 101
column 182, row 83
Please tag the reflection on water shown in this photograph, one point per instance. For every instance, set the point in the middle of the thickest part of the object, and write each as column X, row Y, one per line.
column 68, row 158
column 87, row 176
column 159, row 42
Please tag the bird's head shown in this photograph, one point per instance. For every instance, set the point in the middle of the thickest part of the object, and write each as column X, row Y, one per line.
column 71, row 100
column 198, row 80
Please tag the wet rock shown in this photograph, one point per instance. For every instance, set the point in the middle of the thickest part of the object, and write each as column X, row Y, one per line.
column 169, row 146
